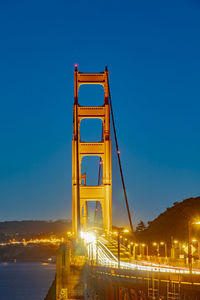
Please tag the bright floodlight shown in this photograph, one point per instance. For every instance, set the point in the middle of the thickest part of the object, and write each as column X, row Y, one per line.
column 88, row 237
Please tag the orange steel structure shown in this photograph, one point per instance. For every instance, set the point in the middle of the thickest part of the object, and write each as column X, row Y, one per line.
column 82, row 193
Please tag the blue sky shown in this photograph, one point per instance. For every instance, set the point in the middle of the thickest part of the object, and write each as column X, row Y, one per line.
column 152, row 52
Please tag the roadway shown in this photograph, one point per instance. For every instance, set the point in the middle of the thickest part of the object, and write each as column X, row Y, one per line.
column 104, row 252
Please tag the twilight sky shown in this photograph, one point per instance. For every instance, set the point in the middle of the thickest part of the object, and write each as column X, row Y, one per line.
column 152, row 49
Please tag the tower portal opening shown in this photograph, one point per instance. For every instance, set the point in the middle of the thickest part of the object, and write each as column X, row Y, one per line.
column 91, row 130
column 90, row 166
column 92, row 95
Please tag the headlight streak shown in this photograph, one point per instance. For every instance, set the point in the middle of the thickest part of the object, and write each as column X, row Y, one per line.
column 106, row 257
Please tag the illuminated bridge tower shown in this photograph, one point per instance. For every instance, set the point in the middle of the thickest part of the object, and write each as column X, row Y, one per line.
column 81, row 194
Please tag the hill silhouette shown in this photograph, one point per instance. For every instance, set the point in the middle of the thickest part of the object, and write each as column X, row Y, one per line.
column 33, row 228
column 173, row 222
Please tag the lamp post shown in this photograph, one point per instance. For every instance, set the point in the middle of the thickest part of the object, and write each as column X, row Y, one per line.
column 135, row 250
column 189, row 246
column 118, row 241
column 176, row 248
column 190, row 223
column 165, row 248
column 157, row 248
column 145, row 252
column 120, row 230
column 131, row 248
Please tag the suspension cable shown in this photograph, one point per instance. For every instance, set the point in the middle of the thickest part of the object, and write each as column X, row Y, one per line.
column 77, row 157
column 119, row 161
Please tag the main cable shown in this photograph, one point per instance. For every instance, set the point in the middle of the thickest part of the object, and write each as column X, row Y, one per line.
column 77, row 157
column 119, row 160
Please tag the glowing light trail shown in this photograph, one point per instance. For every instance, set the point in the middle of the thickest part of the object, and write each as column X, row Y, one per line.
column 107, row 258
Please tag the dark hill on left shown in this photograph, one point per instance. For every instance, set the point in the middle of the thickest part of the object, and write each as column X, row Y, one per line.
column 29, row 229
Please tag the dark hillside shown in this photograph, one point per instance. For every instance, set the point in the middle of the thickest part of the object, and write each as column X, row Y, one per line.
column 28, row 229
column 173, row 222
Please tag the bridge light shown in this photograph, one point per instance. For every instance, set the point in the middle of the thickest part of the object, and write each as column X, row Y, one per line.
column 194, row 240
column 154, row 244
column 88, row 237
column 118, row 152
column 100, row 162
column 196, row 223
column 162, row 243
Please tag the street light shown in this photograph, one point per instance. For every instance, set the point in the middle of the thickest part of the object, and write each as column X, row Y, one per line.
column 157, row 248
column 143, row 249
column 130, row 246
column 119, row 236
column 165, row 245
column 190, row 223
column 135, row 252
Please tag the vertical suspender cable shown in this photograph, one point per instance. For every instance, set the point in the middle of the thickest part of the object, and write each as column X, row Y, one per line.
column 119, row 161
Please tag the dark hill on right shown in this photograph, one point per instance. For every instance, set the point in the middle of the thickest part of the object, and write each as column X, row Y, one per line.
column 173, row 223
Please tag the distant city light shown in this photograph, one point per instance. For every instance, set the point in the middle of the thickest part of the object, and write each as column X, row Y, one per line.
column 51, row 240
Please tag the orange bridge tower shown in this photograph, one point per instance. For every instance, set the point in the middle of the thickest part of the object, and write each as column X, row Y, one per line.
column 82, row 193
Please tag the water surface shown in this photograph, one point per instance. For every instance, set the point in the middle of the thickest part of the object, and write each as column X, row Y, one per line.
column 25, row 281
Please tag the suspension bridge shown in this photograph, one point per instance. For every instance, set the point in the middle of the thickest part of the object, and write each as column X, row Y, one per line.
column 96, row 262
